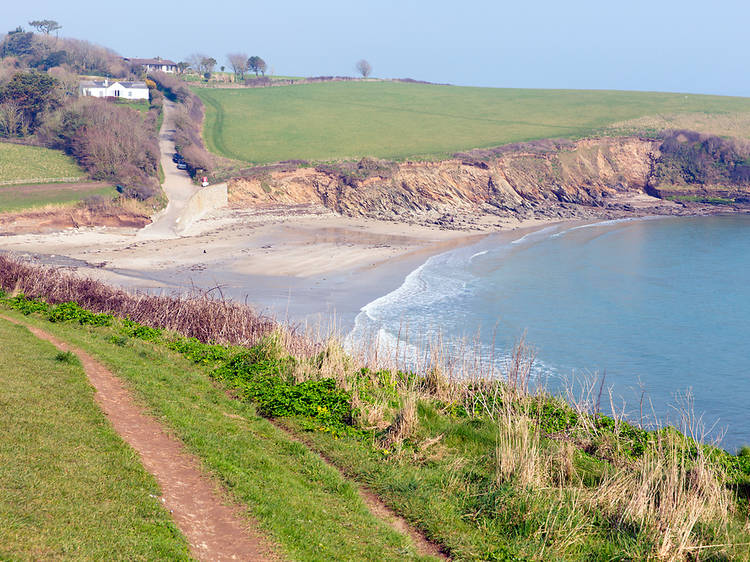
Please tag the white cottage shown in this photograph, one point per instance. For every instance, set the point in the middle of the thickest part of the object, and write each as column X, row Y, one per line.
column 118, row 89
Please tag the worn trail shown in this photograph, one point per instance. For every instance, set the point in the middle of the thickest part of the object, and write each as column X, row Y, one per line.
column 215, row 529
column 377, row 507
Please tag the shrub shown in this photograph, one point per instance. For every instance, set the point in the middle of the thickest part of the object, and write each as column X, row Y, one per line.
column 71, row 311
column 109, row 141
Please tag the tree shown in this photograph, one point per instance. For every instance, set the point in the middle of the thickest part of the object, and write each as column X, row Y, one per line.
column 46, row 26
column 12, row 120
column 256, row 64
column 33, row 93
column 209, row 63
column 17, row 43
column 182, row 66
column 238, row 64
column 364, row 68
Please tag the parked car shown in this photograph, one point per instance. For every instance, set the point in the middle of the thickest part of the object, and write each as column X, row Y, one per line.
column 176, row 158
column 204, row 181
column 181, row 165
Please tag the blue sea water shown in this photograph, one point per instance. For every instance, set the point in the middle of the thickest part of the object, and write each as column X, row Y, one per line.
column 658, row 304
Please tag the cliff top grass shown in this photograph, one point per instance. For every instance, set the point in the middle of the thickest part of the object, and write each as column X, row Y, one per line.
column 349, row 120
column 70, row 488
column 489, row 468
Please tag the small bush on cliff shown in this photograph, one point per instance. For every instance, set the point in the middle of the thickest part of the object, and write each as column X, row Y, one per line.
column 687, row 157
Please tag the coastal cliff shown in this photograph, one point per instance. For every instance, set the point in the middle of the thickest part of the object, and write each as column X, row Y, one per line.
column 550, row 178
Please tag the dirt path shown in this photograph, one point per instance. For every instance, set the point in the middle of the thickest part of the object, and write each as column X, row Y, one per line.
column 177, row 183
column 377, row 507
column 215, row 530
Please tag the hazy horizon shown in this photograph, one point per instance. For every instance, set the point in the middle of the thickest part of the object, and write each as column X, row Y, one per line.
column 670, row 46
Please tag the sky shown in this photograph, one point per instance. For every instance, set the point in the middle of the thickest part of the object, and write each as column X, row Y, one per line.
column 657, row 45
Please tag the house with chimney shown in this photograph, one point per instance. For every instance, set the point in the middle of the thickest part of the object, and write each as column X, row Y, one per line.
column 151, row 65
column 117, row 89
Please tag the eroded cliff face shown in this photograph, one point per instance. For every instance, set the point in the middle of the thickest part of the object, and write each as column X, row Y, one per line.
column 560, row 178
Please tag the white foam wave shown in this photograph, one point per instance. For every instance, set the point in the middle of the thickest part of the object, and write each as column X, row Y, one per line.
column 541, row 233
column 478, row 254
column 604, row 223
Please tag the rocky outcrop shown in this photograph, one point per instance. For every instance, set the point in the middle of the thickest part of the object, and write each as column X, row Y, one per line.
column 547, row 178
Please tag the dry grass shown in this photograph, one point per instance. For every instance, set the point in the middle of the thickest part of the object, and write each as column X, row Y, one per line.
column 204, row 316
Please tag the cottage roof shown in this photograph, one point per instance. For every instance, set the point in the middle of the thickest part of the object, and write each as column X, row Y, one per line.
column 156, row 61
column 107, row 84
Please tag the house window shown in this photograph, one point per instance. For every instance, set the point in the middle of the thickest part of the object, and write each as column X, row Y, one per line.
column 117, row 93
column 130, row 94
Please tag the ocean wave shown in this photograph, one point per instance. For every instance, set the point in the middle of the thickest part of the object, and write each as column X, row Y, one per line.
column 605, row 223
column 541, row 233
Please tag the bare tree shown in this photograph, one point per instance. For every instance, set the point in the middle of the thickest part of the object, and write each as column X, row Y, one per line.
column 46, row 26
column 364, row 68
column 197, row 62
column 12, row 120
column 238, row 64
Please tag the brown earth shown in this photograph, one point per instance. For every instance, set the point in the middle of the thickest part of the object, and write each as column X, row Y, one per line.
column 214, row 529
column 53, row 219
column 589, row 178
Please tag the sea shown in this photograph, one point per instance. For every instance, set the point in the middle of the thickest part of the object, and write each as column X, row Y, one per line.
column 655, row 312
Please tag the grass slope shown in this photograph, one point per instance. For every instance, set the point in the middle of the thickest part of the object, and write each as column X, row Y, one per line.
column 34, row 164
column 19, row 197
column 489, row 471
column 305, row 505
column 341, row 120
column 70, row 488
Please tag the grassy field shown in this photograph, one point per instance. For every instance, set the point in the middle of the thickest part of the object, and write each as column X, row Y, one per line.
column 19, row 197
column 303, row 504
column 70, row 488
column 34, row 164
column 340, row 120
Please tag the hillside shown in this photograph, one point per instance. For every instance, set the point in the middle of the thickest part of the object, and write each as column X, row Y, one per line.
column 348, row 120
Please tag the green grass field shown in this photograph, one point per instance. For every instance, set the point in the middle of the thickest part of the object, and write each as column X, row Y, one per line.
column 34, row 164
column 339, row 120
column 18, row 197
column 70, row 488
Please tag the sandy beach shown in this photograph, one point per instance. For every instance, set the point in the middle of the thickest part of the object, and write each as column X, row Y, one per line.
column 302, row 264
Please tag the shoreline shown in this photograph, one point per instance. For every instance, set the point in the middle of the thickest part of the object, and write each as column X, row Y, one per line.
column 303, row 264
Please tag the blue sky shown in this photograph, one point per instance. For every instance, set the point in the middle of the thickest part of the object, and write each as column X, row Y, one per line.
column 667, row 45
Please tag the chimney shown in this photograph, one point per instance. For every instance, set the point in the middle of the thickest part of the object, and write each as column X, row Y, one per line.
column 106, row 82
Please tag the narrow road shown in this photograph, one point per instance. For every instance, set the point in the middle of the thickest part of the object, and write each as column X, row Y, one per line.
column 177, row 183
column 216, row 531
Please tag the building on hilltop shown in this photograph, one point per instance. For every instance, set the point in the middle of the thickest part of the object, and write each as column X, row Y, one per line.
column 150, row 65
column 118, row 89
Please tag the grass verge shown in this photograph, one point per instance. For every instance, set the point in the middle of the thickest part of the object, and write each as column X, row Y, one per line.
column 305, row 505
column 19, row 197
column 70, row 488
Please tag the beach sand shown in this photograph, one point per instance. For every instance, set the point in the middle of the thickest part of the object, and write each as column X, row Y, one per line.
column 302, row 264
